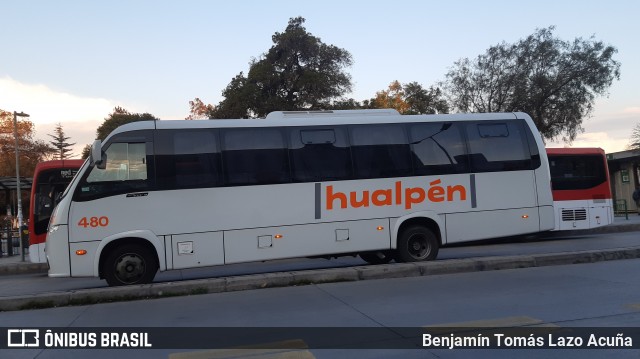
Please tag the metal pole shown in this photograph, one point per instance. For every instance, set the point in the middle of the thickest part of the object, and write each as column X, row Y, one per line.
column 19, row 193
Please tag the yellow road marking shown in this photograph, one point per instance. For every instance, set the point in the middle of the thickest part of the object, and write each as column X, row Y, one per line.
column 507, row 322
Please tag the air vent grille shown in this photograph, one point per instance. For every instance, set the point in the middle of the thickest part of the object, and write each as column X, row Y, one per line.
column 570, row 215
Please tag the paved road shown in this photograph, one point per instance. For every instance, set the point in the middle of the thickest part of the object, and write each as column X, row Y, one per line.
column 605, row 294
column 25, row 284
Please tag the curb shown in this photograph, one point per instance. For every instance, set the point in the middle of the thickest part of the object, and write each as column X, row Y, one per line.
column 306, row 277
column 612, row 228
column 23, row 268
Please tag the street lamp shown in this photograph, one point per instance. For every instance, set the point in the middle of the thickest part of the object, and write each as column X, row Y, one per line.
column 15, row 135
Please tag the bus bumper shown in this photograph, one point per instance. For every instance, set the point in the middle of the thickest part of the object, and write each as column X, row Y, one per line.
column 57, row 251
column 36, row 253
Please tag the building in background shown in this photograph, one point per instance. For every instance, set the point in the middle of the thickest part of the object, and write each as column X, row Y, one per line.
column 624, row 170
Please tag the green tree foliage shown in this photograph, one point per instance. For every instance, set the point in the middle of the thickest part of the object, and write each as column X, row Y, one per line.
column 554, row 81
column 120, row 117
column 86, row 151
column 424, row 101
column 299, row 72
column 62, row 147
column 410, row 99
column 117, row 118
column 345, row 104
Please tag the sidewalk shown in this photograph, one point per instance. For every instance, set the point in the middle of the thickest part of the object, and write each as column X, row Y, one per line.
column 14, row 265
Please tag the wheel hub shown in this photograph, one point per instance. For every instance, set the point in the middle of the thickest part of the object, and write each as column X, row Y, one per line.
column 130, row 268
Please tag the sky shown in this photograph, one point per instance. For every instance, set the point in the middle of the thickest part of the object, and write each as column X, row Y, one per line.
column 72, row 62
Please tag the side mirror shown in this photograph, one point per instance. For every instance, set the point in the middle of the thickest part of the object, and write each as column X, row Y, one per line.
column 97, row 157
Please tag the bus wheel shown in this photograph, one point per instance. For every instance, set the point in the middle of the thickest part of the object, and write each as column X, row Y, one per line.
column 377, row 257
column 417, row 243
column 130, row 264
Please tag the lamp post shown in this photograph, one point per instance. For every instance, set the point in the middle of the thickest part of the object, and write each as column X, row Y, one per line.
column 19, row 193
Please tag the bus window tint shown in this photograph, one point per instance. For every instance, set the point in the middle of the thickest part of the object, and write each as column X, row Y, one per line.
column 125, row 162
column 125, row 171
column 437, row 148
column 380, row 151
column 533, row 149
column 575, row 172
column 319, row 155
column 498, row 146
column 187, row 159
column 50, row 185
column 255, row 156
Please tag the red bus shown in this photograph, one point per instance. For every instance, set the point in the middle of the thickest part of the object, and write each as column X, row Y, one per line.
column 49, row 181
column 581, row 188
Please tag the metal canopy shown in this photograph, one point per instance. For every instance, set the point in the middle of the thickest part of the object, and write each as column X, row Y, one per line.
column 10, row 183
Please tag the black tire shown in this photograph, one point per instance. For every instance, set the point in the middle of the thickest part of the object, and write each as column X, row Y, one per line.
column 377, row 257
column 130, row 264
column 417, row 243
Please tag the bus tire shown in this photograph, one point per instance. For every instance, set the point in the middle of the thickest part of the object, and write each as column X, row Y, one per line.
column 130, row 264
column 377, row 257
column 417, row 243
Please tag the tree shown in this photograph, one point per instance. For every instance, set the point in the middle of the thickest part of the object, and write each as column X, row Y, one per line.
column 63, row 150
column 117, row 118
column 345, row 104
column 198, row 110
column 299, row 72
column 410, row 99
column 634, row 144
column 554, row 81
column 239, row 99
column 391, row 98
column 31, row 151
column 120, row 117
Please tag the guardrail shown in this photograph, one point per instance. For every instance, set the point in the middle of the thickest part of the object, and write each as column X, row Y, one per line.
column 620, row 208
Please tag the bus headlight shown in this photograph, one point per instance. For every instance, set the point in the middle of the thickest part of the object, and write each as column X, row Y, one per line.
column 53, row 229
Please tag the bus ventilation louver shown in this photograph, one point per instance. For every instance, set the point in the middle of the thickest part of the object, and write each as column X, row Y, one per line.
column 570, row 215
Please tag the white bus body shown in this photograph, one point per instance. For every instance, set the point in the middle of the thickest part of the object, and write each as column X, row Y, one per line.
column 370, row 182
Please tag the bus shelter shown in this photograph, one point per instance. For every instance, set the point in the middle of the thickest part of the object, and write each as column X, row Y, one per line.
column 9, row 187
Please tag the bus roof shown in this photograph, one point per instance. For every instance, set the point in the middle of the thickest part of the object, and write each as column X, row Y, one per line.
column 575, row 151
column 41, row 166
column 314, row 118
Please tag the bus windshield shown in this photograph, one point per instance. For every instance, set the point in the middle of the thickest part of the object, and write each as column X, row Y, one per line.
column 50, row 186
column 573, row 172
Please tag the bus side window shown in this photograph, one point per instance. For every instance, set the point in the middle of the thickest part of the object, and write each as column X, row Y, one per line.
column 437, row 148
column 319, row 154
column 380, row 151
column 498, row 146
column 187, row 159
column 254, row 156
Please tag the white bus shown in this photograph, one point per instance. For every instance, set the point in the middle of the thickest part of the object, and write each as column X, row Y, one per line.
column 162, row 195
